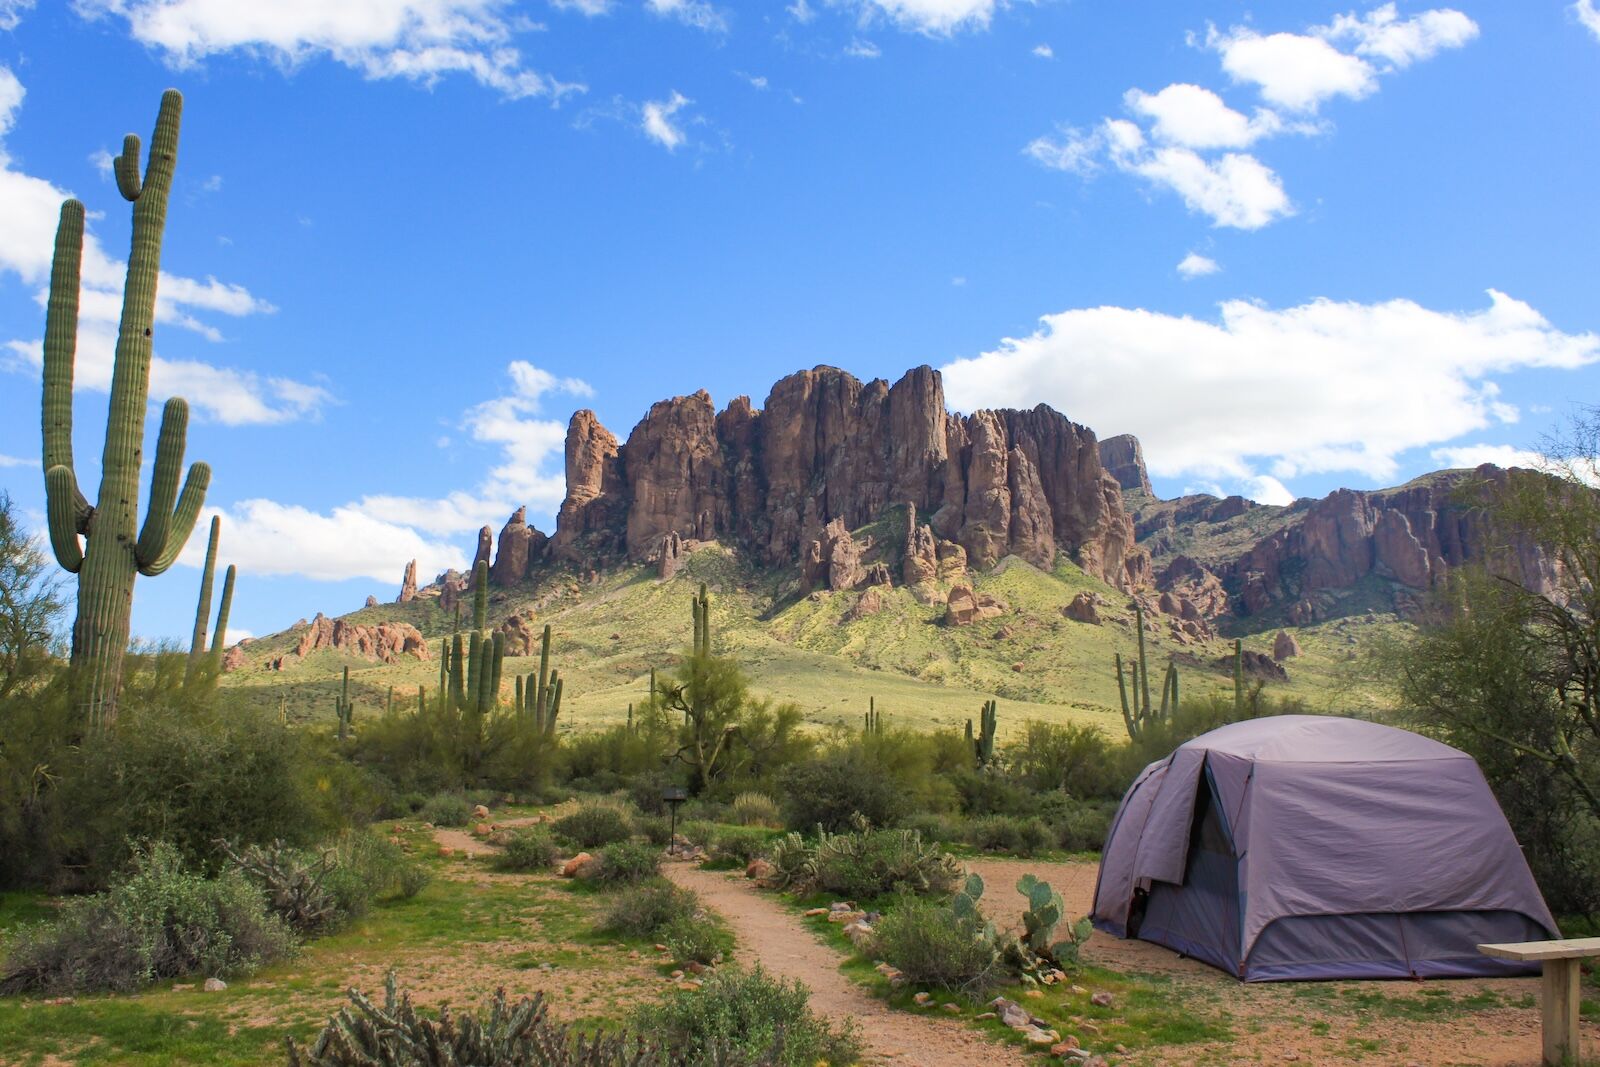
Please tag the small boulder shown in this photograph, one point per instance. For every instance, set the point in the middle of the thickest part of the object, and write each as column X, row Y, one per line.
column 573, row 867
column 1101, row 999
column 760, row 870
column 1284, row 646
column 215, row 985
column 1085, row 607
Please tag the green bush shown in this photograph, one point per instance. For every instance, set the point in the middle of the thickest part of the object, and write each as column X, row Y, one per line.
column 696, row 939
column 626, row 863
column 1083, row 826
column 161, row 920
column 1070, row 758
column 528, row 848
column 645, row 791
column 831, row 789
column 656, row 829
column 935, row 827
column 315, row 891
column 868, row 863
column 1009, row 833
column 647, row 909
column 756, row 809
column 190, row 769
column 446, row 809
column 741, row 844
column 931, row 945
column 740, row 1018
column 594, row 824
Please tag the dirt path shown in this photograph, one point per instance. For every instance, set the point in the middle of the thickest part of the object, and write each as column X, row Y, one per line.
column 772, row 934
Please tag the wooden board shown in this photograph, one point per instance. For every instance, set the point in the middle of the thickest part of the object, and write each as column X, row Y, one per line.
column 1570, row 949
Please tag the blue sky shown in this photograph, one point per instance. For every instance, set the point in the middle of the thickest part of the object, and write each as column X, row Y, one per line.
column 1292, row 246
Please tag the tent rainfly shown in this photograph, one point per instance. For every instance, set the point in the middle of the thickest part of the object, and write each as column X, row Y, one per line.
column 1316, row 847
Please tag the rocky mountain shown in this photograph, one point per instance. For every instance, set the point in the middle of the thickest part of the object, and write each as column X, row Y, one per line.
column 792, row 485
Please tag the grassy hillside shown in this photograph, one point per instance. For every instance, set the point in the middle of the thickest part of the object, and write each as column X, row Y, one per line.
column 611, row 630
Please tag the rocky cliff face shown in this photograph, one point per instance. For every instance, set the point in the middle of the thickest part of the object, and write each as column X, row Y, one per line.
column 1411, row 535
column 829, row 452
column 1123, row 459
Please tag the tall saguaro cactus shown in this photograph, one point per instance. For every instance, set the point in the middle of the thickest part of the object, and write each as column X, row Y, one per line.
column 113, row 549
column 201, row 661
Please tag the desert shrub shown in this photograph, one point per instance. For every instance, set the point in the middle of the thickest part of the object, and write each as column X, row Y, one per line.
column 511, row 1035
column 756, row 809
column 616, row 755
column 869, row 863
column 645, row 791
column 696, row 939
column 988, row 792
column 935, row 827
column 704, row 809
column 1009, row 833
column 594, row 824
column 446, row 809
column 318, row 890
column 187, row 768
column 747, row 1019
column 741, row 844
column 528, row 848
column 625, row 863
column 656, row 829
column 1071, row 758
column 160, row 920
column 830, row 789
column 646, row 909
column 698, row 832
column 1083, row 826
column 932, row 945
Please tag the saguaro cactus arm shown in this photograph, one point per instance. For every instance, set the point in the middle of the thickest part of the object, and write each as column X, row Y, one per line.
column 202, row 610
column 220, row 637
column 171, row 516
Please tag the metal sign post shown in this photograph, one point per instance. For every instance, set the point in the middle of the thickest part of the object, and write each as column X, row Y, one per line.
column 674, row 795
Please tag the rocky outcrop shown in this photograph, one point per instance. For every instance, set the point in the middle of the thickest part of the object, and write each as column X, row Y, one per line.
column 827, row 448
column 385, row 642
column 594, row 507
column 869, row 603
column 833, row 560
column 1411, row 535
column 408, row 584
column 484, row 553
column 670, row 556
column 1085, row 607
column 1195, row 585
column 1123, row 459
column 372, row 601
column 1284, row 646
column 965, row 607
column 518, row 546
column 920, row 559
column 1257, row 665
column 520, row 634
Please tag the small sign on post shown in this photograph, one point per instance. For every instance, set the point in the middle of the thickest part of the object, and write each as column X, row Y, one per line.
column 674, row 795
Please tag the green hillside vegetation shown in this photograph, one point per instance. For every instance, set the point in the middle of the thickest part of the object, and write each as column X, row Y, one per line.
column 810, row 650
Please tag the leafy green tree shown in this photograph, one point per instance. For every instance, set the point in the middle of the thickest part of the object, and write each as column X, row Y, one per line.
column 31, row 605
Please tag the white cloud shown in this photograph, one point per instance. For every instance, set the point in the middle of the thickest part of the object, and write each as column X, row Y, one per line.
column 1071, row 149
column 375, row 536
column 936, row 18
column 13, row 461
column 1321, row 387
column 591, row 8
column 264, row 537
column 697, row 13
column 757, row 81
column 1588, row 16
column 1499, row 455
column 239, row 633
column 417, row 40
column 860, row 48
column 1192, row 117
column 1236, row 190
column 1292, row 70
column 1044, row 51
column 11, row 12
column 657, row 120
column 801, row 12
column 1194, row 265
column 1382, row 34
column 29, row 210
column 1265, row 489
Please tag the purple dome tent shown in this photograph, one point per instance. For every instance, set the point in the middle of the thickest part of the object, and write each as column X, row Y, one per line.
column 1307, row 846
